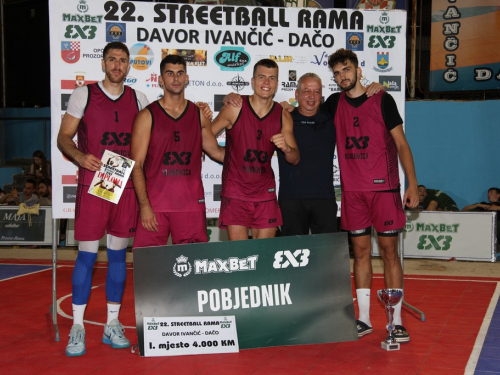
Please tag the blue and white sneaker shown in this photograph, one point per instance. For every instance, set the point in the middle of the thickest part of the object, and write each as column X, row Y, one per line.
column 76, row 344
column 113, row 335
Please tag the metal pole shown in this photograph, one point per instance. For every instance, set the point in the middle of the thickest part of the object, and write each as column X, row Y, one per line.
column 53, row 307
column 401, row 257
column 413, row 49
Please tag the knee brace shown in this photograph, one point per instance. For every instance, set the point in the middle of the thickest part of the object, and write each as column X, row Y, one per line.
column 82, row 277
column 117, row 274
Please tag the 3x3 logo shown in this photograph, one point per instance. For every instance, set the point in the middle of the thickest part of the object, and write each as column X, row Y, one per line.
column 285, row 258
column 256, row 155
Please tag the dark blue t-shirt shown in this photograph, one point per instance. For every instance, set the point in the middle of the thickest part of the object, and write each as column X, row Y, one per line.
column 313, row 176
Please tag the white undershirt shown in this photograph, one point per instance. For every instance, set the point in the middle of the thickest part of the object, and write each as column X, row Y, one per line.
column 79, row 97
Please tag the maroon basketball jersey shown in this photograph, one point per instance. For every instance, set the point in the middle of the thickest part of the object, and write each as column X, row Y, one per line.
column 367, row 153
column 106, row 125
column 247, row 172
column 173, row 162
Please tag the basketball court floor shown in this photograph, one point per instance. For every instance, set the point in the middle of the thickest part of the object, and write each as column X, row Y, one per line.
column 460, row 334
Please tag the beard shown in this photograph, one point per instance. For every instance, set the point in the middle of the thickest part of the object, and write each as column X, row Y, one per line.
column 115, row 79
column 351, row 86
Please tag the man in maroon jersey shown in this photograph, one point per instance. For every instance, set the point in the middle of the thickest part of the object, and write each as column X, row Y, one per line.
column 102, row 114
column 167, row 142
column 253, row 132
column 370, row 138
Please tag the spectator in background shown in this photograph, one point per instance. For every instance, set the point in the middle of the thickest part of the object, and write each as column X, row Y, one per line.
column 435, row 200
column 45, row 192
column 28, row 195
column 40, row 167
column 492, row 205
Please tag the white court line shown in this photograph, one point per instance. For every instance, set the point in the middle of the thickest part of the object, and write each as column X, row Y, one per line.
column 446, row 279
column 64, row 315
column 481, row 336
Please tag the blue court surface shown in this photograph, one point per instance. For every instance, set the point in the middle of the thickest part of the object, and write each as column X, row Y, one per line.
column 489, row 360
column 8, row 271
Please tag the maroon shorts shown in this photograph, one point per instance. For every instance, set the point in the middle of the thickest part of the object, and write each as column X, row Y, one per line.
column 94, row 215
column 185, row 227
column 362, row 209
column 258, row 215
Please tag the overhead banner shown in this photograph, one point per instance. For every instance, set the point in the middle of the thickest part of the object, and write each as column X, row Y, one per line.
column 445, row 235
column 465, row 45
column 221, row 44
column 282, row 291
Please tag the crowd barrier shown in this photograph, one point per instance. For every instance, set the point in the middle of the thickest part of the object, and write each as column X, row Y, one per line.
column 439, row 235
column 446, row 235
column 25, row 229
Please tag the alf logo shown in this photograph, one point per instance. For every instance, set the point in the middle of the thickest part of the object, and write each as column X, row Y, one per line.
column 70, row 52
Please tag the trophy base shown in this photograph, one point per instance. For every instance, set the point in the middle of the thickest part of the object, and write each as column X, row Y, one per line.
column 390, row 346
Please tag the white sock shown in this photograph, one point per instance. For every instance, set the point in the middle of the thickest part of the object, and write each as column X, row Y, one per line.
column 78, row 312
column 363, row 296
column 113, row 311
column 397, row 314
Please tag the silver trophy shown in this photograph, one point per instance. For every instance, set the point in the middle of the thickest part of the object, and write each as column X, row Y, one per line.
column 389, row 298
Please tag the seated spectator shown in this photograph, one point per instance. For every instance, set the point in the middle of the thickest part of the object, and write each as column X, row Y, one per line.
column 435, row 200
column 492, row 205
column 45, row 192
column 28, row 195
column 40, row 167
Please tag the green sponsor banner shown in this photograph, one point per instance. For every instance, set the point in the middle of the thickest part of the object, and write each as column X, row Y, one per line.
column 282, row 291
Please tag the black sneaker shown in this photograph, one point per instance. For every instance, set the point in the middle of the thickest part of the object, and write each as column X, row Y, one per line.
column 363, row 328
column 400, row 334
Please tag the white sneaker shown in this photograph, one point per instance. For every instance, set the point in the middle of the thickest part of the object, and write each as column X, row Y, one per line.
column 113, row 334
column 76, row 344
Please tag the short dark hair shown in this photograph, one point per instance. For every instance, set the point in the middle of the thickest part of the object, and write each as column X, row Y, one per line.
column 31, row 181
column 115, row 45
column 45, row 181
column 421, row 186
column 172, row 59
column 342, row 56
column 266, row 63
column 497, row 190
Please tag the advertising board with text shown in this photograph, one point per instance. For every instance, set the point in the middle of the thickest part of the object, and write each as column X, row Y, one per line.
column 221, row 44
column 282, row 291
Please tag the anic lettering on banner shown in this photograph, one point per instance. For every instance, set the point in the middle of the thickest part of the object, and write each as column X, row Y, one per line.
column 221, row 44
column 465, row 45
